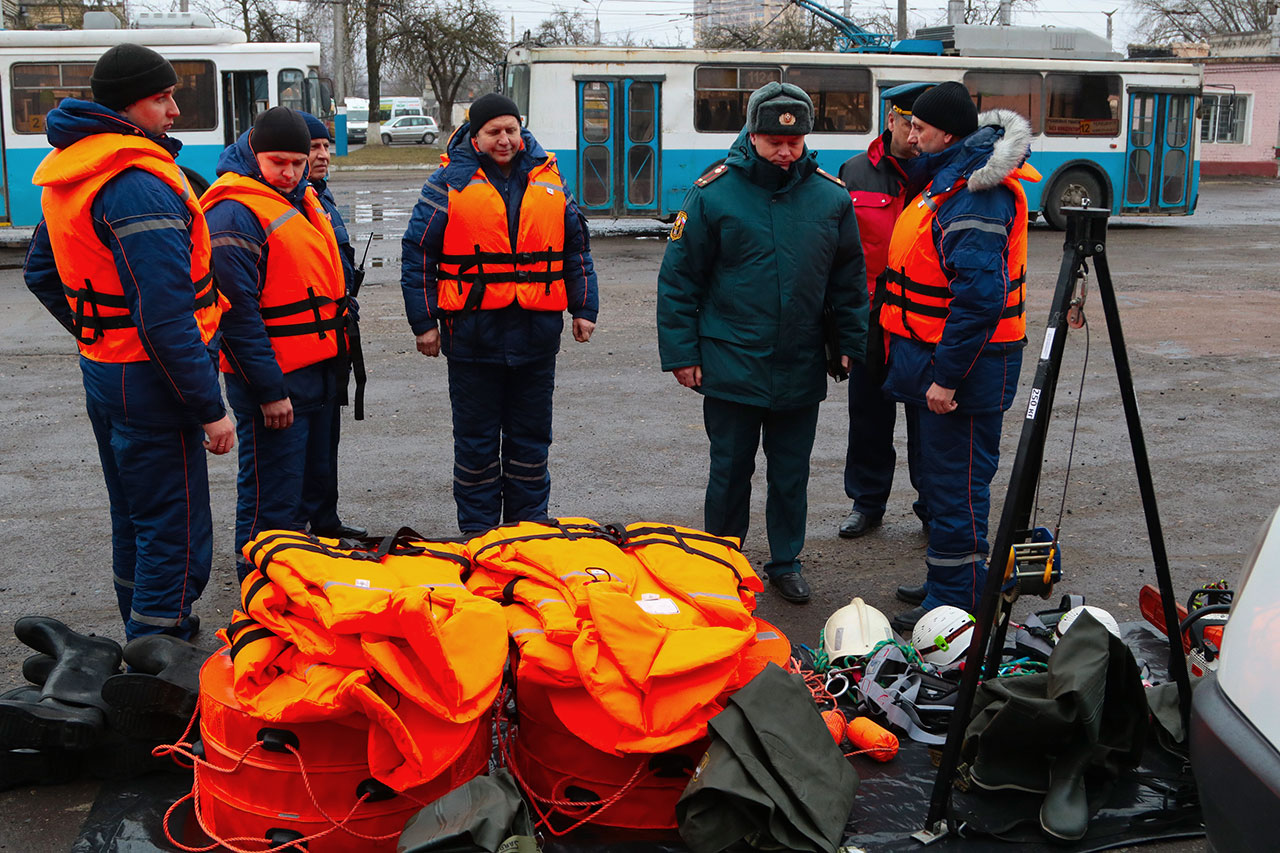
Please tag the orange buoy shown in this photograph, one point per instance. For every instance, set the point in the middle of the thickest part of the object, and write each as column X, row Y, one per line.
column 836, row 724
column 876, row 741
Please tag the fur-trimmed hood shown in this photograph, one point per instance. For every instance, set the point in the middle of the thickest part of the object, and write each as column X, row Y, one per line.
column 1009, row 151
column 984, row 158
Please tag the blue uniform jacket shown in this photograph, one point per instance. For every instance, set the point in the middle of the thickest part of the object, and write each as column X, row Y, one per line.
column 510, row 335
column 975, row 260
column 179, row 385
column 348, row 254
column 240, row 255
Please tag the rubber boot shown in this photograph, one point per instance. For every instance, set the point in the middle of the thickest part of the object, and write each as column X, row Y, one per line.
column 157, row 698
column 1065, row 811
column 36, row 668
column 70, row 713
column 20, row 767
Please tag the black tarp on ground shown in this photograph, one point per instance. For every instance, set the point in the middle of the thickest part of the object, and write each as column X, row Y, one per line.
column 1158, row 801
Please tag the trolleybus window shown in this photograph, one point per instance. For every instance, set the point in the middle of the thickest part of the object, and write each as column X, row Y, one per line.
column 1082, row 105
column 841, row 97
column 1008, row 90
column 720, row 95
column 291, row 81
column 196, row 95
column 518, row 86
column 39, row 87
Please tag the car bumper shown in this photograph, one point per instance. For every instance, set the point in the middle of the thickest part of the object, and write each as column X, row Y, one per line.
column 356, row 136
column 1237, row 771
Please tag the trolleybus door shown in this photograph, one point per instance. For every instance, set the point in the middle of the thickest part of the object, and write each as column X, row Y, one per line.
column 619, row 129
column 1159, row 162
column 4, row 175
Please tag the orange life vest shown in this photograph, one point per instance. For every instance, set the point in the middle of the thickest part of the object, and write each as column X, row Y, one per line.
column 917, row 295
column 479, row 269
column 71, row 178
column 637, row 630
column 392, row 634
column 303, row 299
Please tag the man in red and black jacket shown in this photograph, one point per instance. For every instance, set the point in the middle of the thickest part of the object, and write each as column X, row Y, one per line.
column 876, row 180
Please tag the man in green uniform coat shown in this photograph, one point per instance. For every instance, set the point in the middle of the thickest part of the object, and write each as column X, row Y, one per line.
column 762, row 242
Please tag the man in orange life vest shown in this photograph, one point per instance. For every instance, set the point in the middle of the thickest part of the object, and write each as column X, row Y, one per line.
column 276, row 257
column 955, row 285
column 495, row 252
column 121, row 259
column 876, row 181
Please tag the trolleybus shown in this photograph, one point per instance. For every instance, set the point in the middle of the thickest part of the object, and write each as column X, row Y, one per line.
column 633, row 128
column 223, row 82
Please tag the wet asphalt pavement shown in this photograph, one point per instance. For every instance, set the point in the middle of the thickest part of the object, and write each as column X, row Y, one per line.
column 1200, row 302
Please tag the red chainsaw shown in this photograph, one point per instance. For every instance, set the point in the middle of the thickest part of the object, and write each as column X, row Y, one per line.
column 1200, row 622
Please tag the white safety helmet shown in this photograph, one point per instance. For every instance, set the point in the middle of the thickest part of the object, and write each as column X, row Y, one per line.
column 943, row 635
column 854, row 630
column 1108, row 621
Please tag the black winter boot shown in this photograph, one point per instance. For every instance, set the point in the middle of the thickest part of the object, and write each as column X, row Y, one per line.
column 156, row 699
column 36, row 668
column 20, row 767
column 69, row 713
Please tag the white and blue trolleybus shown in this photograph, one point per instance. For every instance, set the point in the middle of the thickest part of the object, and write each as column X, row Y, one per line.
column 223, row 82
column 633, row 128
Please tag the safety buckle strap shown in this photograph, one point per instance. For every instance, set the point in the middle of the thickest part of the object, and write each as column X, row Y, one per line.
column 210, row 295
column 312, row 303
column 311, row 327
column 908, row 305
column 478, row 257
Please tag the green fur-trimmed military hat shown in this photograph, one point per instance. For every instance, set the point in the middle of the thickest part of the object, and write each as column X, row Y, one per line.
column 779, row 109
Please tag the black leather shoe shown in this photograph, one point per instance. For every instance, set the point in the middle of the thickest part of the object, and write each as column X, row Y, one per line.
column 905, row 622
column 342, row 531
column 792, row 586
column 911, row 594
column 858, row 523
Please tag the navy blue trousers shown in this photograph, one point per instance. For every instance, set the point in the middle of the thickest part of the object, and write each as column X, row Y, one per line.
column 279, row 466
column 501, row 437
column 960, row 454
column 320, row 488
column 734, row 430
column 161, row 528
column 870, row 459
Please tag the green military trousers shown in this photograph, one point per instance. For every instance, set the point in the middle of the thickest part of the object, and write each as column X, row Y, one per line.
column 734, row 430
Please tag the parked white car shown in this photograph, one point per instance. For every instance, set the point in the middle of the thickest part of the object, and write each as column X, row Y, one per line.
column 420, row 129
column 1235, row 714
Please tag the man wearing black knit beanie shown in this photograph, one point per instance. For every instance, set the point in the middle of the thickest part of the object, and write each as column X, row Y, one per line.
column 495, row 253
column 284, row 341
column 120, row 214
column 957, row 328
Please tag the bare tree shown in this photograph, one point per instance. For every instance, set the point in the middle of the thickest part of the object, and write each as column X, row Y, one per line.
column 563, row 27
column 445, row 42
column 1184, row 20
column 263, row 20
column 785, row 32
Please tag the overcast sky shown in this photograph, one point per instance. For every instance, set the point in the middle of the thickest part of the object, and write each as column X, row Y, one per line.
column 670, row 22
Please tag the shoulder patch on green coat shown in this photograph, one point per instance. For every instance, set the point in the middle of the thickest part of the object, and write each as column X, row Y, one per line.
column 830, row 177
column 717, row 172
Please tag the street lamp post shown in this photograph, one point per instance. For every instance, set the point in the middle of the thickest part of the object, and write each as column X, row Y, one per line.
column 597, row 5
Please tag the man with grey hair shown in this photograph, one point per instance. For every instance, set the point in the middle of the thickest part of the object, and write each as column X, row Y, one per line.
column 763, row 242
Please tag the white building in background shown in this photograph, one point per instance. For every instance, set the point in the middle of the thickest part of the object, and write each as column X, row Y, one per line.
column 738, row 14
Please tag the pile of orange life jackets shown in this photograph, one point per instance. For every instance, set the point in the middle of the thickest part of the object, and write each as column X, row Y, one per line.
column 638, row 634
column 392, row 634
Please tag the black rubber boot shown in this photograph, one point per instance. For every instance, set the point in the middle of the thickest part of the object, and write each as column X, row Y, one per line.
column 36, row 668
column 156, row 699
column 1065, row 811
column 69, row 713
column 20, row 767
